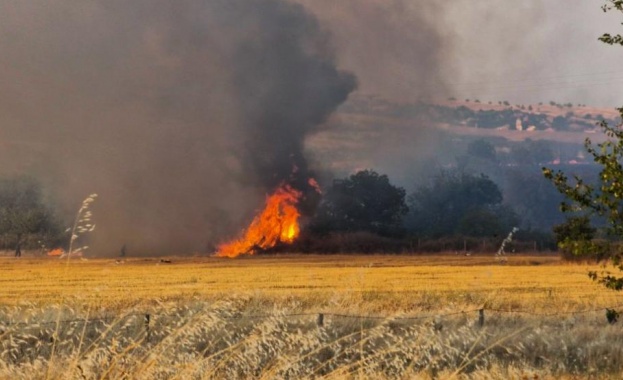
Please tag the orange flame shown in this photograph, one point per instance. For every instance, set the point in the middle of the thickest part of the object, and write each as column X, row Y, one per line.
column 56, row 252
column 278, row 222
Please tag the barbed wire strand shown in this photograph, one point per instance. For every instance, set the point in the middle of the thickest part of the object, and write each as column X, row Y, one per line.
column 328, row 314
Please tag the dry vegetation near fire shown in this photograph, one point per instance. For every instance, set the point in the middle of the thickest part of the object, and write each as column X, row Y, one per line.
column 258, row 317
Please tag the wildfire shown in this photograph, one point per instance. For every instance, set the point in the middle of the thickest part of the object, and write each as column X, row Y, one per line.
column 56, row 252
column 278, row 222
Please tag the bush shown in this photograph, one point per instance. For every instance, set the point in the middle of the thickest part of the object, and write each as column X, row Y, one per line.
column 347, row 242
column 26, row 217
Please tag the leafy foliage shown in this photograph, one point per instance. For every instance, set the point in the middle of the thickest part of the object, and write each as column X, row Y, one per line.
column 459, row 203
column 365, row 201
column 603, row 200
column 533, row 197
column 607, row 37
column 23, row 210
column 574, row 228
column 575, row 237
column 612, row 316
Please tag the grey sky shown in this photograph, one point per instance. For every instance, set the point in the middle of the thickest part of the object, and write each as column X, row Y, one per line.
column 522, row 51
column 529, row 51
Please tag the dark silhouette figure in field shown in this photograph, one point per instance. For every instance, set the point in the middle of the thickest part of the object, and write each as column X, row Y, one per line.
column 123, row 248
column 18, row 249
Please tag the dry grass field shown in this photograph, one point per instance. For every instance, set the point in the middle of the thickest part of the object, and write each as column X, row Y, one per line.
column 257, row 317
column 383, row 284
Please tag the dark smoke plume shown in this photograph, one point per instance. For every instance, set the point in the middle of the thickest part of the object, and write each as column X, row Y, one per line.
column 399, row 49
column 181, row 115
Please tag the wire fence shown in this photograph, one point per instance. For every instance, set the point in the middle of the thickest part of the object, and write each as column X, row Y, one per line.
column 610, row 313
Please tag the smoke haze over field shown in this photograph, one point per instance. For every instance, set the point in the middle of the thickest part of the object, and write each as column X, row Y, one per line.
column 182, row 115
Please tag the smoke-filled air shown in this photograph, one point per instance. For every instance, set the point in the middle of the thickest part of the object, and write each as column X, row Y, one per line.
column 186, row 116
column 303, row 189
column 181, row 115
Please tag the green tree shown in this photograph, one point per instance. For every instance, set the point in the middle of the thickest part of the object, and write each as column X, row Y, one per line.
column 22, row 210
column 533, row 197
column 602, row 200
column 459, row 203
column 482, row 149
column 365, row 201
column 616, row 39
column 573, row 229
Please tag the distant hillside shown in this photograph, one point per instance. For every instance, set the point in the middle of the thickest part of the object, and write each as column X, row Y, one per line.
column 475, row 114
column 371, row 132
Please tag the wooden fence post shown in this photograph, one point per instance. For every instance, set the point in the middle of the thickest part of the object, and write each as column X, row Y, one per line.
column 147, row 320
column 481, row 317
column 320, row 320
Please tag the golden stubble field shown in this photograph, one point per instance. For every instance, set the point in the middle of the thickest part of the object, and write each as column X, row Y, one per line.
column 386, row 317
column 377, row 283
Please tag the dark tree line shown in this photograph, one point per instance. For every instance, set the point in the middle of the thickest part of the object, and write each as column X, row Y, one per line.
column 366, row 206
column 454, row 203
column 459, row 204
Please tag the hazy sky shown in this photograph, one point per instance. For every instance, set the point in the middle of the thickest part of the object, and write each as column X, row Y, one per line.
column 522, row 51
column 529, row 51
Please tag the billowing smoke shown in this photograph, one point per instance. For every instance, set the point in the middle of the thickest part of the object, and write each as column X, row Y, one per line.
column 181, row 115
column 399, row 49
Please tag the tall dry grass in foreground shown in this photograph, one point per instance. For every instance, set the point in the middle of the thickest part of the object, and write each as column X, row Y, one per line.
column 257, row 318
column 230, row 339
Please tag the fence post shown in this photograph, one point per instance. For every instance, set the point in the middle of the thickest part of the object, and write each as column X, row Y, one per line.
column 147, row 319
column 320, row 320
column 612, row 316
column 481, row 317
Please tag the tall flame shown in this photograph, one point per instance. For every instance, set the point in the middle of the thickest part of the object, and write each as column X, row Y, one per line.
column 278, row 222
